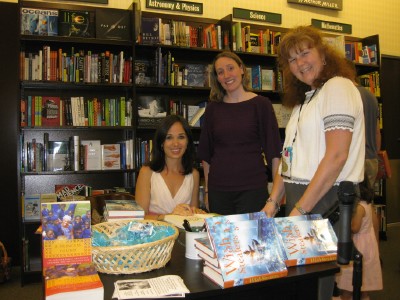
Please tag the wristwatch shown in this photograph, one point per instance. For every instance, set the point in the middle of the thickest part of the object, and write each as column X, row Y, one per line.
column 277, row 206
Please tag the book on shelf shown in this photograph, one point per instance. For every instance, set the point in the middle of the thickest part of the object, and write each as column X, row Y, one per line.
column 58, row 156
column 92, row 159
column 306, row 239
column 68, row 270
column 143, row 72
column 151, row 30
column 113, row 24
column 31, row 207
column 123, row 208
column 257, row 253
column 48, row 197
column 195, row 75
column 76, row 23
column 158, row 287
column 267, row 80
column 111, row 156
column 151, row 110
column 64, row 191
column 50, row 112
column 194, row 120
column 36, row 21
column 256, row 77
column 282, row 114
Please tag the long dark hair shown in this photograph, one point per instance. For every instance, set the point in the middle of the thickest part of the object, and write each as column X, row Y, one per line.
column 157, row 162
column 298, row 39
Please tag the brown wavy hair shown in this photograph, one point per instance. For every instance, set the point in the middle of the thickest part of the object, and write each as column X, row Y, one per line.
column 217, row 92
column 298, row 39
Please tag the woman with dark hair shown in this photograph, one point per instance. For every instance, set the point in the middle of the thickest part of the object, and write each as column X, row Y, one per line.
column 239, row 136
column 169, row 183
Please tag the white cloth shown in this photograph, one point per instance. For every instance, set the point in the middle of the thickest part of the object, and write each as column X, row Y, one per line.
column 337, row 105
column 161, row 200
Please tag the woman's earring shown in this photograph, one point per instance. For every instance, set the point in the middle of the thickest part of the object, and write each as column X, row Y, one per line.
column 324, row 62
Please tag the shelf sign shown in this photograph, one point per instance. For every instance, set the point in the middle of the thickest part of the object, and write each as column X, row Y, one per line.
column 330, row 4
column 181, row 6
column 332, row 26
column 256, row 15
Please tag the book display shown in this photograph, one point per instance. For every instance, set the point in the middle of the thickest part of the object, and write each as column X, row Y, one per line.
column 117, row 209
column 68, row 270
column 76, row 95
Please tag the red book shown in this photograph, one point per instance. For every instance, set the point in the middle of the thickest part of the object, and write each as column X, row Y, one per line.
column 50, row 111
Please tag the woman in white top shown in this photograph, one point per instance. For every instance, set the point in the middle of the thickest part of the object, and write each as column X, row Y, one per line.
column 169, row 183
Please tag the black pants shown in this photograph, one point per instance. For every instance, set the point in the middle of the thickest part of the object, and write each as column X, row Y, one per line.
column 238, row 202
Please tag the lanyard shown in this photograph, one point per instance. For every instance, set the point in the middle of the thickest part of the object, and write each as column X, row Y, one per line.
column 298, row 120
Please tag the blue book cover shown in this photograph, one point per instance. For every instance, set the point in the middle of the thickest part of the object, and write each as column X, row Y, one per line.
column 247, row 250
column 306, row 239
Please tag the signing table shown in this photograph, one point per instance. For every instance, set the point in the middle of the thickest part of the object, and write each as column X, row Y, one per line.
column 301, row 282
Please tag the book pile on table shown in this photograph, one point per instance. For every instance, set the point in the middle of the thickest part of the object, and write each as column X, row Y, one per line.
column 117, row 210
column 247, row 248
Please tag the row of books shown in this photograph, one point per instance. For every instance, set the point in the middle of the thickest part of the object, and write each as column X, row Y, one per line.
column 371, row 82
column 359, row 53
column 75, row 155
column 37, row 111
column 171, row 32
column 76, row 23
column 264, row 41
column 68, row 270
column 262, row 78
column 80, row 67
column 246, row 248
column 166, row 72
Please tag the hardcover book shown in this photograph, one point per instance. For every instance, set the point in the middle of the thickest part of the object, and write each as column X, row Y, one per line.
column 48, row 22
column 203, row 244
column 75, row 23
column 29, row 21
column 143, row 72
column 92, row 159
column 111, row 156
column 123, row 208
column 195, row 75
column 113, row 24
column 151, row 110
column 69, row 190
column 58, row 156
column 247, row 251
column 51, row 111
column 151, row 30
column 306, row 241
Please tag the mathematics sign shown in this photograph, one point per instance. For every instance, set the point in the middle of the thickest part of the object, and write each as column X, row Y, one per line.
column 330, row 4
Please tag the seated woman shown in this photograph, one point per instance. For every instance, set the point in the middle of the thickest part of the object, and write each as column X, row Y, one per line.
column 169, row 184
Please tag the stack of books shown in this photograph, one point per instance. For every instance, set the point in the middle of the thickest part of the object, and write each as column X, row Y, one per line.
column 116, row 210
column 248, row 248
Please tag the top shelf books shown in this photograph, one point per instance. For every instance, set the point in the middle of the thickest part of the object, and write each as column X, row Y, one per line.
column 77, row 22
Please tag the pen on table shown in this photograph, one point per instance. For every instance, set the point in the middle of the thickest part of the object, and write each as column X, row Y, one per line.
column 186, row 225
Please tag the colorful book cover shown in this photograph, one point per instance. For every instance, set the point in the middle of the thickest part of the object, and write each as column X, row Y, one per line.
column 48, row 22
column 247, row 251
column 75, row 23
column 29, row 21
column 68, row 190
column 50, row 111
column 256, row 77
column 67, row 252
column 306, row 241
column 203, row 244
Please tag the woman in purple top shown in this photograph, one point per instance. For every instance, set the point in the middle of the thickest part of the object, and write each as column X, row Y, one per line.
column 239, row 134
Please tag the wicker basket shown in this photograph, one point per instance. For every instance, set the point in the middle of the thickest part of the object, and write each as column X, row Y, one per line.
column 132, row 259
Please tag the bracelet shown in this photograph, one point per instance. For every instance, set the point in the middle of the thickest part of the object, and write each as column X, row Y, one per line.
column 300, row 209
column 277, row 206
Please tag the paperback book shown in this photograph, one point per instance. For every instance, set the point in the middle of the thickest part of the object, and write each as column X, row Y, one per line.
column 75, row 23
column 151, row 30
column 306, row 240
column 151, row 110
column 31, row 207
column 247, row 251
column 113, row 24
column 68, row 270
column 111, row 156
